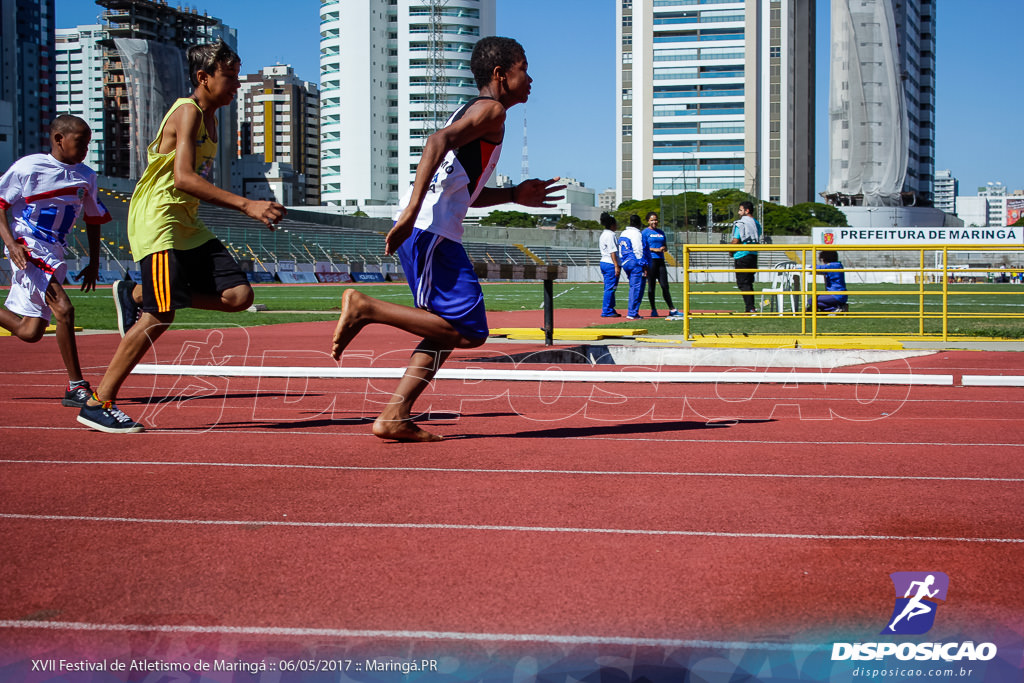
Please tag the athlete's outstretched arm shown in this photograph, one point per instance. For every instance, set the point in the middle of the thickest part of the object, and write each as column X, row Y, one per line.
column 532, row 192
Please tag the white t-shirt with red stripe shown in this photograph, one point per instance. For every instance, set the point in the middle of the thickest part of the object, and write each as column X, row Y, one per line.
column 45, row 198
column 458, row 182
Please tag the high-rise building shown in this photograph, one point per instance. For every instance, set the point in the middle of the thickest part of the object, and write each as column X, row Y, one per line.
column 27, row 94
column 882, row 103
column 144, row 70
column 391, row 72
column 715, row 94
column 78, row 63
column 915, row 31
column 946, row 187
column 279, row 122
column 993, row 206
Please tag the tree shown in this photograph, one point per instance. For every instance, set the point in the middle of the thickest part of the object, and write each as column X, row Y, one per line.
column 577, row 223
column 510, row 219
column 822, row 214
column 689, row 210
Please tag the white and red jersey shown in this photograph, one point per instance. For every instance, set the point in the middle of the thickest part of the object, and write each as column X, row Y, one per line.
column 46, row 196
column 456, row 184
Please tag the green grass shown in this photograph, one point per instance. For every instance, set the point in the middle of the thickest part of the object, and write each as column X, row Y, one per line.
column 300, row 303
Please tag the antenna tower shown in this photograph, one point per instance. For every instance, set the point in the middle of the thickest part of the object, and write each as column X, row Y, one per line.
column 524, row 173
column 439, row 112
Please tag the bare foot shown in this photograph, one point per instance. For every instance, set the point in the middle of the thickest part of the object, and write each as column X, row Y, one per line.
column 349, row 323
column 401, row 430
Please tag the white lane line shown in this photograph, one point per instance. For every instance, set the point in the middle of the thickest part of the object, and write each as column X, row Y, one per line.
column 553, row 374
column 410, row 635
column 993, row 380
column 765, row 442
column 525, row 434
column 483, row 470
column 506, row 528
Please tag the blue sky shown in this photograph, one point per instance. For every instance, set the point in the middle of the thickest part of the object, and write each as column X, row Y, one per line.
column 570, row 45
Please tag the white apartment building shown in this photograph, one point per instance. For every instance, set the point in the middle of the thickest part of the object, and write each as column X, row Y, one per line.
column 606, row 201
column 79, row 59
column 279, row 123
column 993, row 206
column 391, row 72
column 945, row 191
column 715, row 94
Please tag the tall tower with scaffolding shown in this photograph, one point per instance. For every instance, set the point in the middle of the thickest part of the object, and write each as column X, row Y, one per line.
column 438, row 78
column 144, row 71
column 868, row 128
column 525, row 171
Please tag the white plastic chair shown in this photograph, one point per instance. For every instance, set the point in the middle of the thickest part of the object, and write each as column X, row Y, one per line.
column 785, row 278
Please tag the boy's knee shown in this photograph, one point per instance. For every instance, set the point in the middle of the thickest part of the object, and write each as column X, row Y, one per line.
column 31, row 330
column 239, row 298
column 472, row 343
column 63, row 310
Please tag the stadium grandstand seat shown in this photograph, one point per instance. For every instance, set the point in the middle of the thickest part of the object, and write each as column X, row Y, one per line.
column 305, row 241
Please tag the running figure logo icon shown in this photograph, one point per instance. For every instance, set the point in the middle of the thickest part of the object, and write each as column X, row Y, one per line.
column 917, row 594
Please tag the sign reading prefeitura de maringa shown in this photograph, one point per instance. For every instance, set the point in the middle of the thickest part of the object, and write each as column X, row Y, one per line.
column 1008, row 236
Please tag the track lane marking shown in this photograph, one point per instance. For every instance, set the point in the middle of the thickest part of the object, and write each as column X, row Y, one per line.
column 408, row 634
column 505, row 528
column 526, row 471
column 455, row 437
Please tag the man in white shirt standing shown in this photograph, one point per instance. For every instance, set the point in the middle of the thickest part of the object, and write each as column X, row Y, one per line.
column 746, row 231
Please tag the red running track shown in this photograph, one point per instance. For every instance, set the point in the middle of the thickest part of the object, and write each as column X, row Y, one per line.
column 261, row 515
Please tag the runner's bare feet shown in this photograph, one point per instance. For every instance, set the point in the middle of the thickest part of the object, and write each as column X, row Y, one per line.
column 349, row 323
column 401, row 430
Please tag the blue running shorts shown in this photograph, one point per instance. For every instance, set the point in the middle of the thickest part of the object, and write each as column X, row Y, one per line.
column 443, row 282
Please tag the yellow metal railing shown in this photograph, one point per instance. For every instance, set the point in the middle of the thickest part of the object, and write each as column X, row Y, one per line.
column 804, row 258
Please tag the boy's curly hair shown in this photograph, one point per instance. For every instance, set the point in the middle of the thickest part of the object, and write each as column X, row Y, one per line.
column 66, row 124
column 207, row 57
column 493, row 51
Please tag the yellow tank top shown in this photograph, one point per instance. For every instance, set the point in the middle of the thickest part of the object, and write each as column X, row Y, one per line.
column 161, row 217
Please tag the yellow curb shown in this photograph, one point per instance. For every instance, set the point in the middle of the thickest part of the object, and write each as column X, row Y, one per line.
column 52, row 329
column 797, row 342
column 567, row 333
column 531, row 336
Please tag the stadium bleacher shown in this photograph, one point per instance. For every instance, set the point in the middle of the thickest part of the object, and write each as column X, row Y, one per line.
column 309, row 242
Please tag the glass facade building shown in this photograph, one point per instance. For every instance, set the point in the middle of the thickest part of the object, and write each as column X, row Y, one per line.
column 715, row 94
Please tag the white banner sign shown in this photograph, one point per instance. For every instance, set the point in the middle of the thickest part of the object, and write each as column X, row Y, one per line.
column 938, row 236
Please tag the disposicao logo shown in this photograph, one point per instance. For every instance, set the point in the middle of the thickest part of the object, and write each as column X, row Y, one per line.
column 917, row 594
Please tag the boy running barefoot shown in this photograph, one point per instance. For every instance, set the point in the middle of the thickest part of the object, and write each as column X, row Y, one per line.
column 46, row 193
column 183, row 263
column 427, row 236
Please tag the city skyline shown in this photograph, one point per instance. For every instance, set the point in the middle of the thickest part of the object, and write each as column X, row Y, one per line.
column 571, row 113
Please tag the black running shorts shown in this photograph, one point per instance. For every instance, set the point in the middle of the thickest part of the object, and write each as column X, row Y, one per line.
column 170, row 278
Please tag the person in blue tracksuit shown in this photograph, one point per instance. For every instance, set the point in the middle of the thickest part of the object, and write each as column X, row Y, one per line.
column 657, row 268
column 835, row 283
column 609, row 244
column 633, row 261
